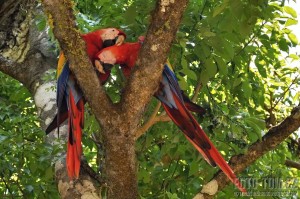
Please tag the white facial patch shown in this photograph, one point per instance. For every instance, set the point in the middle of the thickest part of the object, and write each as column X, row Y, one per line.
column 109, row 34
column 107, row 57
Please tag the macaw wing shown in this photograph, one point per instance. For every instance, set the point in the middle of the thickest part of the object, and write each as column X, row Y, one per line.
column 63, row 73
column 170, row 96
column 173, row 82
column 191, row 106
column 174, row 106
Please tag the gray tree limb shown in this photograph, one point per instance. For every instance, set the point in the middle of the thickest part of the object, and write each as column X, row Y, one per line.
column 270, row 141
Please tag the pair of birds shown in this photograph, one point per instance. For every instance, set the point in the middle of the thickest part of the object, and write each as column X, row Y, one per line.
column 105, row 48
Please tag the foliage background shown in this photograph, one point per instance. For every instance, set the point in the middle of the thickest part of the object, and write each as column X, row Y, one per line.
column 238, row 52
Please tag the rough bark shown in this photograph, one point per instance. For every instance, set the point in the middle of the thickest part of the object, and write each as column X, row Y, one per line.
column 119, row 121
column 270, row 140
column 25, row 54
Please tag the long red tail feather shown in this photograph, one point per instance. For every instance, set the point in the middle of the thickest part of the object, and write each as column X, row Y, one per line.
column 186, row 122
column 74, row 150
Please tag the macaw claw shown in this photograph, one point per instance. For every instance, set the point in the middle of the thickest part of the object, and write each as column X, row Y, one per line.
column 99, row 66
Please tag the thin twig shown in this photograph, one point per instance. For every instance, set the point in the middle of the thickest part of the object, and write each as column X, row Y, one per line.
column 293, row 82
column 252, row 38
column 154, row 118
column 5, row 183
column 149, row 123
column 93, row 174
column 196, row 91
column 290, row 163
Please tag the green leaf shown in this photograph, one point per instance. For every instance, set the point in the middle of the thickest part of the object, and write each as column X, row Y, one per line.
column 199, row 52
column 220, row 8
column 247, row 89
column 211, row 68
column 130, row 14
column 294, row 56
column 293, row 38
column 291, row 22
column 172, row 195
column 283, row 45
column 256, row 124
column 206, row 32
column 222, row 66
column 182, row 83
column 49, row 173
column 237, row 82
column 194, row 168
column 182, row 43
column 184, row 63
column 290, row 11
column 258, row 121
column 204, row 77
column 191, row 74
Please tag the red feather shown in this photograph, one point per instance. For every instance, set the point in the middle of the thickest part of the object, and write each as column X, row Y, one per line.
column 126, row 55
column 75, row 110
column 194, row 133
column 74, row 149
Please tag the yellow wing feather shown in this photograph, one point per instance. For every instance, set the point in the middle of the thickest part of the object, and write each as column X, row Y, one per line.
column 61, row 62
column 169, row 65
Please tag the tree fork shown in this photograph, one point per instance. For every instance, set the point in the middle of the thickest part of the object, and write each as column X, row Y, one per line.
column 120, row 121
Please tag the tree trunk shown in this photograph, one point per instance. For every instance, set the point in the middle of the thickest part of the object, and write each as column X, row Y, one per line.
column 121, row 166
column 25, row 55
column 119, row 121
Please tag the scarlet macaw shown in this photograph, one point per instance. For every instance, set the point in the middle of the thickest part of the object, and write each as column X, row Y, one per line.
column 175, row 104
column 70, row 101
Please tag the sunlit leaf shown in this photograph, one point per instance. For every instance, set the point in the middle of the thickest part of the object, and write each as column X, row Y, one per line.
column 293, row 38
column 290, row 11
column 291, row 22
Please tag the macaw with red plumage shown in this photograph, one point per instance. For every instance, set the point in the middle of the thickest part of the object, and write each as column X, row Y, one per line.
column 70, row 100
column 174, row 102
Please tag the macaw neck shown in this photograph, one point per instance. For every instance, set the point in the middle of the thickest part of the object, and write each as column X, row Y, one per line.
column 127, row 53
column 93, row 44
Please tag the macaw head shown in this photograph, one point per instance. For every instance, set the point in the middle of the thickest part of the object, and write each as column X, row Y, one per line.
column 105, row 37
column 111, row 36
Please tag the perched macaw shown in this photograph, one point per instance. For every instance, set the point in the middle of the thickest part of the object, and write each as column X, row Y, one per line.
column 70, row 101
column 175, row 104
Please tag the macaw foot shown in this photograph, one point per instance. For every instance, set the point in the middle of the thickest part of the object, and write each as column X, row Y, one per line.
column 99, row 66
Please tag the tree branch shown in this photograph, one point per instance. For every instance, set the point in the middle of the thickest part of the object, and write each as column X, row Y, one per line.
column 290, row 163
column 197, row 90
column 286, row 90
column 269, row 141
column 149, row 123
column 145, row 78
column 73, row 46
column 93, row 174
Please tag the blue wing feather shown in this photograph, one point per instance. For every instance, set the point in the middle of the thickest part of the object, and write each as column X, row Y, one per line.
column 172, row 81
column 62, row 85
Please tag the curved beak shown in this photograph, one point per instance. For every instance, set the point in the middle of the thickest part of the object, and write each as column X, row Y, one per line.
column 118, row 40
